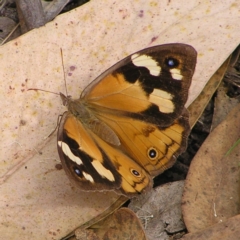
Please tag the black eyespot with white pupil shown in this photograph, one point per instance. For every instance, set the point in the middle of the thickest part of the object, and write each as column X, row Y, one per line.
column 171, row 62
column 135, row 173
column 152, row 153
column 77, row 171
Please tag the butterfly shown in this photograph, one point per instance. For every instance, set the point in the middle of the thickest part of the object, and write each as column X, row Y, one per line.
column 129, row 124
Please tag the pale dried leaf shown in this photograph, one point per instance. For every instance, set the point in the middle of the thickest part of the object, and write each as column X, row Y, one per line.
column 92, row 40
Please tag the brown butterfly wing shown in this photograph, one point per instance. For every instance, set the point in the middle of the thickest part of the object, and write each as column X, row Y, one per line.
column 93, row 164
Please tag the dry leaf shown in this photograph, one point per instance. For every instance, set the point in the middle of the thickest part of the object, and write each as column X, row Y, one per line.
column 39, row 194
column 122, row 224
column 228, row 230
column 211, row 192
column 6, row 26
column 223, row 104
column 33, row 191
column 197, row 107
column 160, row 210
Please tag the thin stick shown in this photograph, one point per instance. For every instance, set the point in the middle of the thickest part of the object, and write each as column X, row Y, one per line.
column 9, row 35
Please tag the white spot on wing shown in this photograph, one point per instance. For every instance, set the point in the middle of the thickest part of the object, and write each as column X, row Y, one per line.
column 163, row 100
column 88, row 177
column 176, row 74
column 147, row 62
column 103, row 171
column 67, row 151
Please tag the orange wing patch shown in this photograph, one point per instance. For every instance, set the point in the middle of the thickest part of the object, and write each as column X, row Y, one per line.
column 139, row 137
column 114, row 92
column 134, row 178
column 76, row 131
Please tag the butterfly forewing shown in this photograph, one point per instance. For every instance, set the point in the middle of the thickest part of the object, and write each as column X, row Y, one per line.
column 129, row 124
column 151, row 85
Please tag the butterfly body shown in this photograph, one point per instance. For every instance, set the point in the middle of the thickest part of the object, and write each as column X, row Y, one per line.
column 129, row 124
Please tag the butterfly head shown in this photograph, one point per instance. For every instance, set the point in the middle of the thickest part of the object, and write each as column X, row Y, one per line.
column 65, row 99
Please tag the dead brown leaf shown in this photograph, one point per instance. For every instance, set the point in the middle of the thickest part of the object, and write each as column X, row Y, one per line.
column 122, row 224
column 227, row 230
column 223, row 104
column 211, row 193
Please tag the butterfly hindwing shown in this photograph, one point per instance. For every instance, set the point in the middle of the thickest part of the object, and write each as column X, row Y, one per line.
column 129, row 124
column 154, row 148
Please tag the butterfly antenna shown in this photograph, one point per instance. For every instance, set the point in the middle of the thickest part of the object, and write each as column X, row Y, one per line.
column 36, row 89
column 64, row 75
